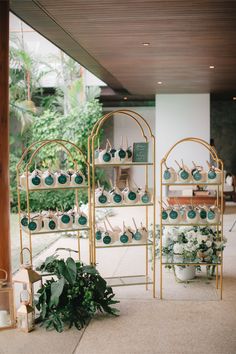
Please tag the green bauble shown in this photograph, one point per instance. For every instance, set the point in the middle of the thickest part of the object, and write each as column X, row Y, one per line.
column 137, row 236
column 173, row 214
column 145, row 198
column 129, row 153
column 132, row 196
column 82, row 220
column 184, row 175
column 197, row 176
column 117, row 198
column 124, row 238
column 49, row 180
column 211, row 174
column 98, row 235
column 203, row 214
column 62, row 179
column 102, row 199
column 106, row 157
column 211, row 215
column 36, row 181
column 191, row 214
column 122, row 154
column 52, row 225
column 78, row 179
column 32, row 226
column 65, row 219
column 164, row 215
column 24, row 221
column 107, row 239
column 167, row 175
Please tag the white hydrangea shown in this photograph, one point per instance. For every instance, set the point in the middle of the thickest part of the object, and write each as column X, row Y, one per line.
column 208, row 243
column 178, row 249
column 165, row 241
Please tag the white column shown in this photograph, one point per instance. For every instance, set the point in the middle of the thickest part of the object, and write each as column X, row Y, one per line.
column 180, row 116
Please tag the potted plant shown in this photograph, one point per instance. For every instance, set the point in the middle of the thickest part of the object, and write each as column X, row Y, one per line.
column 188, row 244
column 74, row 294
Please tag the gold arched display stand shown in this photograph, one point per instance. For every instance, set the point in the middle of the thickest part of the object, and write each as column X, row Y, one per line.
column 75, row 155
column 147, row 136
column 219, row 202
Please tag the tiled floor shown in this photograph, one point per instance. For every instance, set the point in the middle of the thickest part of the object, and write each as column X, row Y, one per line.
column 190, row 320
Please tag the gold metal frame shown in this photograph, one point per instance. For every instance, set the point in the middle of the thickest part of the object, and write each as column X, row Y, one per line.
column 219, row 203
column 148, row 136
column 29, row 154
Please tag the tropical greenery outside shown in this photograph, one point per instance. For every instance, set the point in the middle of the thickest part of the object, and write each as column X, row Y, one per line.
column 68, row 111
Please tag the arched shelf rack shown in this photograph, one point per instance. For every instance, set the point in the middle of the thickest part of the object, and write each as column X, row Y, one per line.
column 76, row 156
column 147, row 136
column 217, row 162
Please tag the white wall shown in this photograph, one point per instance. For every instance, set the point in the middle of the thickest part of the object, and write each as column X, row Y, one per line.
column 179, row 116
column 124, row 126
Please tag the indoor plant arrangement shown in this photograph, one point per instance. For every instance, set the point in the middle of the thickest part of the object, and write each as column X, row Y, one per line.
column 190, row 244
column 74, row 294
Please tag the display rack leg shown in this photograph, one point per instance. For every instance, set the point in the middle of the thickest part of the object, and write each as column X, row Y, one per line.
column 221, row 281
column 217, row 276
column 154, row 275
column 146, row 251
column 78, row 240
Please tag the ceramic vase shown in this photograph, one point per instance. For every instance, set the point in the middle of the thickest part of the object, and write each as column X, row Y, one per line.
column 185, row 273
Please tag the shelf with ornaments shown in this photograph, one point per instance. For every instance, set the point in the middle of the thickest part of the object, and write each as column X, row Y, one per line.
column 73, row 178
column 131, row 195
column 186, row 217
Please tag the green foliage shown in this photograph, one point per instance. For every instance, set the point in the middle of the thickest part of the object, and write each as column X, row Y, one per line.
column 70, row 113
column 74, row 297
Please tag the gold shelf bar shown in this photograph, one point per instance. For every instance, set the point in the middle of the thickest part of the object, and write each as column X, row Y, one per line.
column 126, row 245
column 196, row 224
column 52, row 189
column 122, row 205
column 193, row 263
column 122, row 280
column 57, row 231
column 191, row 184
column 124, row 164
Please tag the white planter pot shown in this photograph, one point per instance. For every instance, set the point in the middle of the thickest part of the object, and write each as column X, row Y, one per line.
column 185, row 273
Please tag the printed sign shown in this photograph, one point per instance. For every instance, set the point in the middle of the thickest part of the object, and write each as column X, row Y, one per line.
column 140, row 152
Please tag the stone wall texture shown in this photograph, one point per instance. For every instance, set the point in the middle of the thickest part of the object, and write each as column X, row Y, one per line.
column 223, row 131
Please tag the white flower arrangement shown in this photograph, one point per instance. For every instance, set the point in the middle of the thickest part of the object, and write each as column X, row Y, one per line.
column 198, row 244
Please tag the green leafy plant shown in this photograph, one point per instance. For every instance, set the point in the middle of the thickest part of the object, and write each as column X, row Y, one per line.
column 74, row 297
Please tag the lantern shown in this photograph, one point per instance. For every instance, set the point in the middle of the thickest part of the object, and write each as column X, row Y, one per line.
column 25, row 314
column 28, row 276
column 6, row 302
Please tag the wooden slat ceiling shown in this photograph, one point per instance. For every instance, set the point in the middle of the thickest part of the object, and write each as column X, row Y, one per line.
column 106, row 36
